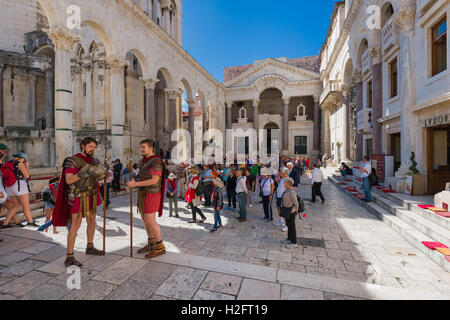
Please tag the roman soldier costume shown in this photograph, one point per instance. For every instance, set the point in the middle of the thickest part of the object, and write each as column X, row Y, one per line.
column 151, row 198
column 80, row 198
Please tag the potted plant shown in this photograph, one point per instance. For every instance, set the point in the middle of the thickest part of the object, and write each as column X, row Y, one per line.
column 415, row 187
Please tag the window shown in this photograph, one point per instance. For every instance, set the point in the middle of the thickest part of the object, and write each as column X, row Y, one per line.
column 393, row 78
column 84, row 89
column 369, row 94
column 439, row 47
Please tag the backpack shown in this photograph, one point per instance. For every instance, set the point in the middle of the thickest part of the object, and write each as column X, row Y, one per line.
column 301, row 204
column 200, row 189
column 10, row 173
column 373, row 179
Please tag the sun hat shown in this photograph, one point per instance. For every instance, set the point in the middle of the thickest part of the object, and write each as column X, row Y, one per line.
column 21, row 155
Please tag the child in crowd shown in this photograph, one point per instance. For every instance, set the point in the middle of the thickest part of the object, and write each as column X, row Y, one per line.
column 49, row 195
column 217, row 201
column 171, row 193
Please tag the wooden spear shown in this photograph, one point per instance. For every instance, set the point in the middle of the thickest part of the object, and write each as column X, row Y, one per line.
column 130, row 169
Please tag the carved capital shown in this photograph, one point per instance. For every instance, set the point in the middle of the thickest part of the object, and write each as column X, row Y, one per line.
column 345, row 88
column 149, row 83
column 172, row 93
column 116, row 64
column 316, row 99
column 255, row 102
column 229, row 104
column 375, row 54
column 62, row 38
column 32, row 79
column 357, row 76
column 286, row 100
column 49, row 72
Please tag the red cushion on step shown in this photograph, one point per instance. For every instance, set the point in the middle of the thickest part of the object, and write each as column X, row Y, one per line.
column 425, row 206
column 433, row 245
column 443, row 214
column 389, row 191
column 342, row 184
column 348, row 180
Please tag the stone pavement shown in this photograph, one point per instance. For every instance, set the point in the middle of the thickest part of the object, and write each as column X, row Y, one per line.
column 346, row 253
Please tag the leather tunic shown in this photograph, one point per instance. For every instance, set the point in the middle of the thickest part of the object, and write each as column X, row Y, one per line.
column 155, row 164
column 86, row 185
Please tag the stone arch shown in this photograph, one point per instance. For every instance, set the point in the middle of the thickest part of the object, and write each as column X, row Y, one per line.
column 348, row 72
column 168, row 78
column 268, row 82
column 188, row 88
column 50, row 12
column 100, row 32
column 362, row 47
column 387, row 11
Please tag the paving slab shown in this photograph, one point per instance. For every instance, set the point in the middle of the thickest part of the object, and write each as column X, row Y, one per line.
column 222, row 283
column 22, row 285
column 133, row 290
column 210, row 295
column 182, row 283
column 91, row 290
column 259, row 290
column 38, row 247
column 121, row 271
column 46, row 292
column 154, row 273
column 296, row 293
column 23, row 267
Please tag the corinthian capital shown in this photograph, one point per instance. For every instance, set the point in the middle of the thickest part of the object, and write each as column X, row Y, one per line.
column 149, row 83
column 116, row 64
column 62, row 38
column 172, row 93
column 357, row 76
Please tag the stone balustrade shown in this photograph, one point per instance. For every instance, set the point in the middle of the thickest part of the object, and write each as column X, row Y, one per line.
column 389, row 35
column 366, row 63
column 363, row 121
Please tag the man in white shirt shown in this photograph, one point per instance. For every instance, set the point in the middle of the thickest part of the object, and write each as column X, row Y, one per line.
column 241, row 195
column 365, row 172
column 267, row 189
column 316, row 182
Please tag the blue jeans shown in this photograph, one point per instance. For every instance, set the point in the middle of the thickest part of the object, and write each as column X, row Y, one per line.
column 366, row 188
column 242, row 200
column 343, row 173
column 217, row 220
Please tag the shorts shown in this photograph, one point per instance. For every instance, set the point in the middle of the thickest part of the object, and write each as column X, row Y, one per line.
column 13, row 190
column 49, row 205
column 279, row 203
column 152, row 202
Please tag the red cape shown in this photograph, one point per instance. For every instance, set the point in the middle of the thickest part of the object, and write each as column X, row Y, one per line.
column 61, row 214
column 163, row 185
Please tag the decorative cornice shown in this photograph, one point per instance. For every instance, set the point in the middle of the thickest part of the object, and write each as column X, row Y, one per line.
column 62, row 38
column 268, row 62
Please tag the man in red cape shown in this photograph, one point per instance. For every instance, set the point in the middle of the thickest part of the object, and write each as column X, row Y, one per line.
column 150, row 184
column 78, row 197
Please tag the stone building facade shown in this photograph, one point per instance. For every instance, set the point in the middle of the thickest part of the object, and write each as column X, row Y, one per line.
column 384, row 68
column 278, row 94
column 119, row 74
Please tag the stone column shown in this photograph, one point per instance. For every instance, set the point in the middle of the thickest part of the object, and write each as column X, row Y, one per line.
column 165, row 6
column 255, row 114
column 172, row 97
column 405, row 17
column 192, row 104
column 377, row 100
column 286, row 101
column 88, row 112
column 31, row 108
column 150, row 121
column 49, row 99
column 327, row 137
column 357, row 80
column 2, row 68
column 316, row 125
column 229, row 115
column 346, row 123
column 116, row 66
column 63, row 41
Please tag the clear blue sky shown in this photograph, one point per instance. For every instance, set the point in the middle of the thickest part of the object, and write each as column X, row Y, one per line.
column 225, row 33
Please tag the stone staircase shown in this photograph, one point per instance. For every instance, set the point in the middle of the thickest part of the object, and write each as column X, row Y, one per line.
column 405, row 217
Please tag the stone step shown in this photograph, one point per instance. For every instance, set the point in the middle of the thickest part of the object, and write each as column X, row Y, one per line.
column 308, row 281
column 422, row 224
column 404, row 227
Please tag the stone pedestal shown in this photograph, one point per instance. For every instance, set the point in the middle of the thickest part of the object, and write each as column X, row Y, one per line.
column 442, row 198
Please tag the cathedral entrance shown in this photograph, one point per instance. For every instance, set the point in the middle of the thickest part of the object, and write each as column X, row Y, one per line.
column 271, row 136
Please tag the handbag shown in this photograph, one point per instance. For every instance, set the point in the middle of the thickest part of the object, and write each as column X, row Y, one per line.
column 188, row 197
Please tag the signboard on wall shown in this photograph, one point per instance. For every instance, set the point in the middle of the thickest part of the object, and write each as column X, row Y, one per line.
column 378, row 164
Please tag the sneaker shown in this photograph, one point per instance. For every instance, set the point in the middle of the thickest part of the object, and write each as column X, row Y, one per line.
column 234, row 209
column 285, row 241
column 203, row 220
column 291, row 246
column 192, row 221
column 250, row 206
column 8, row 226
column 228, row 208
column 213, row 230
column 242, row 220
column 284, row 229
column 277, row 224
